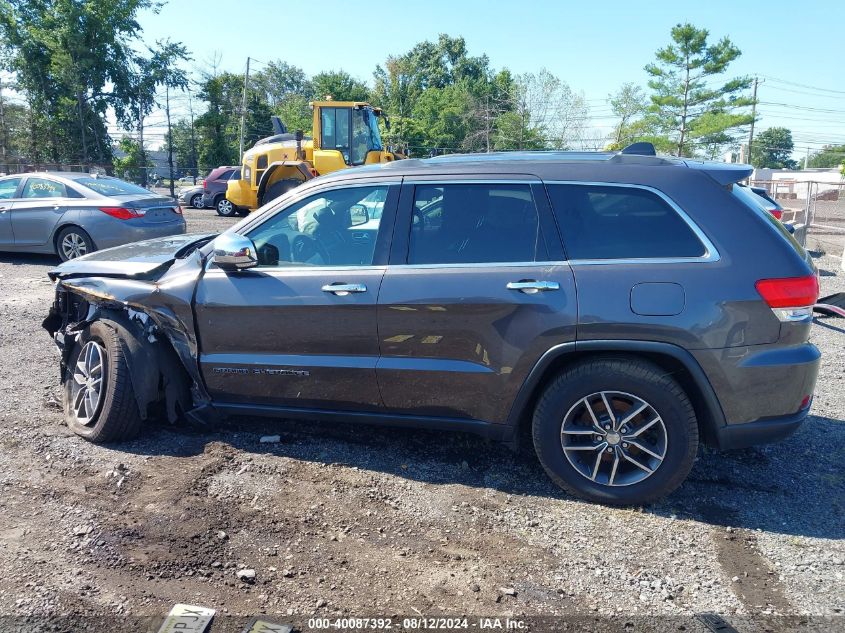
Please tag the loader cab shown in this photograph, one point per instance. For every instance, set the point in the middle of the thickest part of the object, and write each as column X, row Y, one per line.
column 346, row 134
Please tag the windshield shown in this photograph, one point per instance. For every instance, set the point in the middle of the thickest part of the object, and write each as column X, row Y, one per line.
column 366, row 136
column 111, row 186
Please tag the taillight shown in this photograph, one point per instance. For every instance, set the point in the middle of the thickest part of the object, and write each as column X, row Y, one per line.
column 121, row 213
column 203, row 183
column 778, row 213
column 790, row 298
column 178, row 209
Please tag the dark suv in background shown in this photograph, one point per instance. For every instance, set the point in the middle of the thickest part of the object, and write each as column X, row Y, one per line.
column 214, row 190
column 625, row 306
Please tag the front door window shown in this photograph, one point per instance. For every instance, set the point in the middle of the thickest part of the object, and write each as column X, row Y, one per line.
column 334, row 228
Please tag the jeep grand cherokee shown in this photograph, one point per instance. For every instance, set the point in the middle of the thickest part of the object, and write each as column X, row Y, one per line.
column 625, row 306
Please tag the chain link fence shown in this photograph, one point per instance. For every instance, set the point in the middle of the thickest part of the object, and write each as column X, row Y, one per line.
column 816, row 209
column 156, row 177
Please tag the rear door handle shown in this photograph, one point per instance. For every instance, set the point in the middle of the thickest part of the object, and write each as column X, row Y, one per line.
column 341, row 290
column 531, row 286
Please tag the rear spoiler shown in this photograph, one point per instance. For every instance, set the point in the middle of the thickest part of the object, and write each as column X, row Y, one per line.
column 723, row 173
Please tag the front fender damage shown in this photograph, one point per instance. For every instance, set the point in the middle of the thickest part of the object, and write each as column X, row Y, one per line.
column 155, row 323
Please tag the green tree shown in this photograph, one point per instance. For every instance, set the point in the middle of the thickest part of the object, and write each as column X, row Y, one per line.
column 772, row 149
column 258, row 123
column 689, row 108
column 182, row 141
column 73, row 61
column 218, row 126
column 630, row 106
column 295, row 113
column 402, row 85
column 339, row 85
column 827, row 157
column 279, row 81
column 132, row 162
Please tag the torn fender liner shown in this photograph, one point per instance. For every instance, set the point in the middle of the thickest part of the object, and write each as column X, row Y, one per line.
column 152, row 365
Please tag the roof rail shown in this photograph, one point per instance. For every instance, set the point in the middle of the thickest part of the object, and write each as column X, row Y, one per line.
column 640, row 149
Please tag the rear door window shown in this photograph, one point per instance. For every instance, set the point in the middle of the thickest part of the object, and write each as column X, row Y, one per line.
column 601, row 222
column 475, row 223
column 43, row 188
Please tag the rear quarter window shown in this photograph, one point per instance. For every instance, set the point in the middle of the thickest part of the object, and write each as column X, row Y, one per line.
column 618, row 222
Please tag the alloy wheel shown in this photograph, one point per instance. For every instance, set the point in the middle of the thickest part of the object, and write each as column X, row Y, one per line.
column 87, row 388
column 613, row 438
column 225, row 207
column 196, row 201
column 73, row 245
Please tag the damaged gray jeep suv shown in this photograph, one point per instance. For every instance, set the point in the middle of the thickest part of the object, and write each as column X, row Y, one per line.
column 623, row 305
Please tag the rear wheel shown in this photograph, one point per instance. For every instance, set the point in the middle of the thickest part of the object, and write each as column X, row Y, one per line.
column 616, row 431
column 196, row 201
column 226, row 208
column 73, row 242
column 99, row 401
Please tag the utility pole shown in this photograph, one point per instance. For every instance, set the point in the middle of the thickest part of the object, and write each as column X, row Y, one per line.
column 807, row 159
column 487, row 123
column 3, row 129
column 753, row 117
column 243, row 111
column 193, row 139
column 143, row 156
column 169, row 138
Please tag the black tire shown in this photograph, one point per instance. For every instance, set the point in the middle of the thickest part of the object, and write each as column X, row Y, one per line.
column 115, row 416
column 279, row 188
column 243, row 212
column 73, row 242
column 196, row 201
column 225, row 207
column 626, row 377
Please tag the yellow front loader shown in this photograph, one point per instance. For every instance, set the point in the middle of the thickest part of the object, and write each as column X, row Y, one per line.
column 345, row 134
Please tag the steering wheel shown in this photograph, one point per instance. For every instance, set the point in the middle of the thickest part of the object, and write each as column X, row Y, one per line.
column 304, row 248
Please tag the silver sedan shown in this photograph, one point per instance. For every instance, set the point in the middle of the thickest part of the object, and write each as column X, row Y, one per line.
column 72, row 214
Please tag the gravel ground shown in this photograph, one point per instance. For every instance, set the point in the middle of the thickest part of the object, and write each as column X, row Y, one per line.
column 338, row 520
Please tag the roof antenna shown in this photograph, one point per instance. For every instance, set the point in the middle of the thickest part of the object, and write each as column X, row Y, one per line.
column 640, row 149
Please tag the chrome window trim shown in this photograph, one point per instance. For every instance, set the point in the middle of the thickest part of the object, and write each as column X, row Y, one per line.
column 481, row 265
column 299, row 269
column 711, row 253
column 439, row 181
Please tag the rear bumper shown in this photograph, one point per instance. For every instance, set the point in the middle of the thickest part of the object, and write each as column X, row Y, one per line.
column 128, row 232
column 760, row 432
column 760, row 382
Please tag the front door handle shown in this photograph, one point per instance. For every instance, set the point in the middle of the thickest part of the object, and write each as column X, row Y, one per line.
column 341, row 290
column 532, row 286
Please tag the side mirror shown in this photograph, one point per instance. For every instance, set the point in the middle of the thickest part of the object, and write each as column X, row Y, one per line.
column 358, row 214
column 234, row 252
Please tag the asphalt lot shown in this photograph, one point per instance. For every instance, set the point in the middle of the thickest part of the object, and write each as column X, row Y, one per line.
column 340, row 520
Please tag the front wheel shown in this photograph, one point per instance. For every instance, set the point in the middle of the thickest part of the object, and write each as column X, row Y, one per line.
column 73, row 242
column 279, row 188
column 98, row 397
column 196, row 201
column 226, row 208
column 617, row 431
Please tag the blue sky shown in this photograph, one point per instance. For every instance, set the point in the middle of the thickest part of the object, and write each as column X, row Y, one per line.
column 593, row 46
